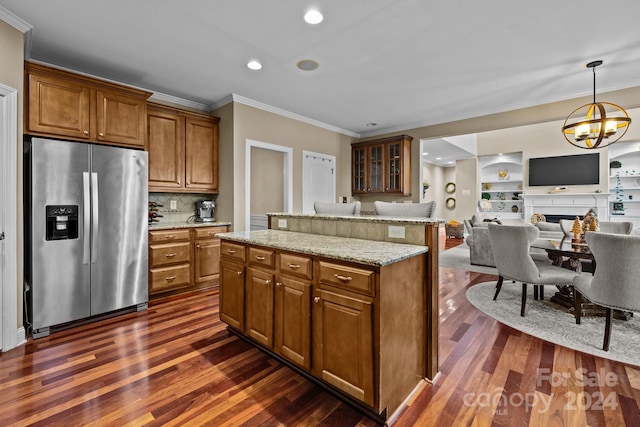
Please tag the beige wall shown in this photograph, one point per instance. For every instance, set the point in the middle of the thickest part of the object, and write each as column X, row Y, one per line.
column 266, row 181
column 259, row 125
column 11, row 74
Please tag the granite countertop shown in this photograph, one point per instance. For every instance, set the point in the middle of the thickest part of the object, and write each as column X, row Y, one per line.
column 370, row 218
column 341, row 248
column 172, row 225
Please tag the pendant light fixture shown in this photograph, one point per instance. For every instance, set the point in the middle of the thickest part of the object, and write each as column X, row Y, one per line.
column 598, row 124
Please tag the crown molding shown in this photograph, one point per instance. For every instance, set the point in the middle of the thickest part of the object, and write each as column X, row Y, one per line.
column 279, row 111
column 163, row 97
column 20, row 25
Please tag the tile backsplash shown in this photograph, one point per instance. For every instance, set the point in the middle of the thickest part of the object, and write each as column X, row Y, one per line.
column 185, row 205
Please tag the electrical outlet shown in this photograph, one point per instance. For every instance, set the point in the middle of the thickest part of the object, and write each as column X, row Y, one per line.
column 173, row 205
column 282, row 223
column 396, row 231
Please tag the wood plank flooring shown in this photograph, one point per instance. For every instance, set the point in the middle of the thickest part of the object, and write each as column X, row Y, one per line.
column 175, row 364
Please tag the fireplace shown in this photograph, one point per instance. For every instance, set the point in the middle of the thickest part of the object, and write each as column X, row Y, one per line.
column 566, row 205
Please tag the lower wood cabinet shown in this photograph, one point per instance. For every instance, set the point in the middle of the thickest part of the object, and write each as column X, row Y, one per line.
column 343, row 343
column 182, row 260
column 359, row 329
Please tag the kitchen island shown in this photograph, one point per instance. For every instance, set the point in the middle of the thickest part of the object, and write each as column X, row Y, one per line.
column 349, row 314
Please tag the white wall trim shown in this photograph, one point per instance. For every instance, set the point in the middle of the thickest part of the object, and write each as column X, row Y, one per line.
column 279, row 111
column 8, row 145
column 287, row 172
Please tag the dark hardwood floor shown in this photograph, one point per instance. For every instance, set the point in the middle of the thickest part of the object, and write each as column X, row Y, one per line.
column 175, row 364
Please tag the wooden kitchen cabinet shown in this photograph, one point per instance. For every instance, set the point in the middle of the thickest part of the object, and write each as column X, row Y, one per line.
column 183, row 260
column 293, row 308
column 343, row 343
column 68, row 105
column 169, row 260
column 338, row 322
column 382, row 166
column 206, row 255
column 183, row 150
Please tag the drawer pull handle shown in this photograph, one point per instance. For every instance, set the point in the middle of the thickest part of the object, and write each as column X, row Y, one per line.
column 171, row 255
column 294, row 266
column 211, row 233
column 170, row 278
column 231, row 251
column 259, row 257
column 316, row 299
column 343, row 278
column 100, row 134
column 171, row 237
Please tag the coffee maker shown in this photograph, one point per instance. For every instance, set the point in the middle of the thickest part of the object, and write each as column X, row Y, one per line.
column 205, row 211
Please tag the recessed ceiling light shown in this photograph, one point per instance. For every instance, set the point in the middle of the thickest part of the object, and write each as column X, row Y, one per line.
column 371, row 124
column 254, row 65
column 438, row 158
column 425, row 154
column 450, row 162
column 307, row 65
column 313, row 17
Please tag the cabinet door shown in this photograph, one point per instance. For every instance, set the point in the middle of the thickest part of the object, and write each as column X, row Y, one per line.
column 394, row 168
column 58, row 107
column 259, row 300
column 343, row 343
column 165, row 144
column 376, row 168
column 293, row 321
column 232, row 294
column 207, row 260
column 202, row 155
column 121, row 119
column 358, row 170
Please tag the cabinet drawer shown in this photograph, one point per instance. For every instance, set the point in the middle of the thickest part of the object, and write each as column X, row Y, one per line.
column 166, row 236
column 349, row 278
column 232, row 250
column 209, row 232
column 263, row 257
column 296, row 265
column 169, row 254
column 166, row 278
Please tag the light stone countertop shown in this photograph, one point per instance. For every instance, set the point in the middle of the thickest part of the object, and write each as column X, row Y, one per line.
column 370, row 218
column 360, row 251
column 173, row 225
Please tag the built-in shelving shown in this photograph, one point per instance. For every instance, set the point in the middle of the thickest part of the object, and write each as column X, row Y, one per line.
column 624, row 182
column 501, row 182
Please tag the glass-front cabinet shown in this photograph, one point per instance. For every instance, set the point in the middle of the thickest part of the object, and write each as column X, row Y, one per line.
column 382, row 166
column 624, row 182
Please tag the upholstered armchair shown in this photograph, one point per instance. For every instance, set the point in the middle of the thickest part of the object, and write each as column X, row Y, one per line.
column 614, row 284
column 511, row 251
column 418, row 210
column 480, row 249
column 331, row 208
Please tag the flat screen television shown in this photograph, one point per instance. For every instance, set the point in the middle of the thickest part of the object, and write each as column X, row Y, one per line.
column 580, row 169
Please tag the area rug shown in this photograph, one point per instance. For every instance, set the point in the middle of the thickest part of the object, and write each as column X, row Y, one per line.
column 458, row 257
column 548, row 321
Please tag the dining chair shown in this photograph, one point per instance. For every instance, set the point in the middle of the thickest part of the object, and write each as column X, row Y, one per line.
column 614, row 284
column 511, row 251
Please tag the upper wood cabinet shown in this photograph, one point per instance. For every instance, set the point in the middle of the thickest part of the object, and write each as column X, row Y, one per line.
column 382, row 166
column 63, row 104
column 183, row 150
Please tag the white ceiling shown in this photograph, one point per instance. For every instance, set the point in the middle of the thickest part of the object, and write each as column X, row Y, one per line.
column 399, row 64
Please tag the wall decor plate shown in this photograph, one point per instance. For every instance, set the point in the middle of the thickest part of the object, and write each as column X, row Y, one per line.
column 485, row 205
column 450, row 187
column 450, row 203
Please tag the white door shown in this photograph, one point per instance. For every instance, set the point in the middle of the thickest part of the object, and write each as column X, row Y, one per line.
column 319, row 179
column 3, row 202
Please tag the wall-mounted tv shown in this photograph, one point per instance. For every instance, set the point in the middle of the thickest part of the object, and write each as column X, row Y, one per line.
column 580, row 169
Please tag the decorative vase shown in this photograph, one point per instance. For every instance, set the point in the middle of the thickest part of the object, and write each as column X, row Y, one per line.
column 514, row 208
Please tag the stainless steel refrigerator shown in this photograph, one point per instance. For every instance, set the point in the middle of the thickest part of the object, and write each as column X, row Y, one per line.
column 86, row 237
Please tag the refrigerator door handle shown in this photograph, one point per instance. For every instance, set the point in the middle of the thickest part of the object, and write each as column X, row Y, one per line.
column 86, row 222
column 94, row 216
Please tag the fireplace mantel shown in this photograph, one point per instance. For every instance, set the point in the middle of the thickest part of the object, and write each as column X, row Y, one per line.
column 566, row 204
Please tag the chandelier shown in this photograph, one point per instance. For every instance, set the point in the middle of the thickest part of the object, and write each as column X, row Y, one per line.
column 598, row 124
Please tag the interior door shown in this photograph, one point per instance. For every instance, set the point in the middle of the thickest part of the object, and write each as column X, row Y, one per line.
column 119, row 252
column 319, row 179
